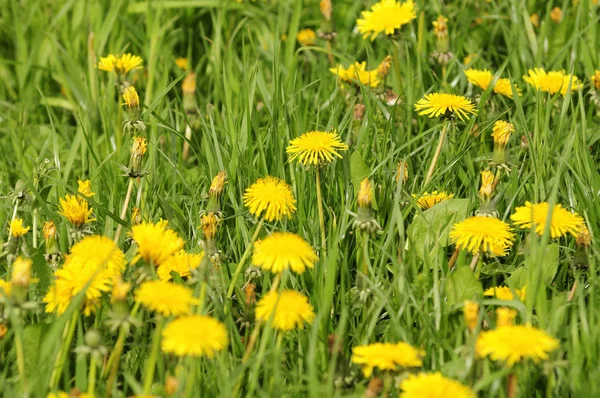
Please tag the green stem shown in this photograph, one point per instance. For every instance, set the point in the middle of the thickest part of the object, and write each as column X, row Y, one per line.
column 124, row 209
column 92, row 375
column 436, row 155
column 150, row 365
column 20, row 356
column 321, row 214
column 365, row 254
column 59, row 363
column 191, row 380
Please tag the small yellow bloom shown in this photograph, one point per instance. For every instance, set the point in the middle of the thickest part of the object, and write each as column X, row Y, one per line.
column 85, row 188
column 357, row 72
column 270, row 196
column 483, row 234
column 535, row 19
column 181, row 262
column 76, row 210
column 556, row 15
column 189, row 84
column 471, row 314
column 194, row 335
column 501, row 132
column 289, row 310
column 552, row 82
column 505, row 293
column 511, row 344
column 440, row 27
column 535, row 215
column 386, row 17
column 365, row 194
column 166, row 298
column 483, row 78
column 131, row 98
column 119, row 291
column 445, row 105
column 307, row 37
column 316, row 148
column 487, row 185
column 387, row 356
column 17, row 229
column 120, row 65
column 218, row 183
column 428, row 200
column 5, row 288
column 505, row 316
column 433, row 385
column 469, row 58
column 156, row 243
column 182, row 63
column 283, row 250
column 21, row 272
column 210, row 225
column 3, row 330
column 596, row 79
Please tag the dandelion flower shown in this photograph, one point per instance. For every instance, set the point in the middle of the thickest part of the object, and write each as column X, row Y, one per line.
column 17, row 229
column 76, row 210
column 428, row 200
column 272, row 196
column 433, row 385
column 120, row 65
column 552, row 82
column 483, row 79
column 85, row 188
column 182, row 63
column 556, row 15
column 505, row 316
column 156, row 243
column 166, row 298
column 487, row 184
column 5, row 288
column 306, row 37
column 471, row 314
column 386, row 16
column 316, row 148
column 501, row 132
column 486, row 234
column 131, row 98
column 283, row 250
column 386, row 356
column 505, row 293
column 119, row 291
column 181, row 262
column 535, row 215
column 21, row 272
column 358, row 72
column 596, row 79
column 289, row 309
column 194, row 335
column 445, row 105
column 511, row 344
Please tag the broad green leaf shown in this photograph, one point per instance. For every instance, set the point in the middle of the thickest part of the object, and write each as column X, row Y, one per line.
column 32, row 337
column 547, row 271
column 462, row 285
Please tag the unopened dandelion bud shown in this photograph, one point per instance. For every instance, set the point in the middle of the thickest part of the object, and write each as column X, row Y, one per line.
column 505, row 316
column 471, row 314
column 119, row 291
column 556, row 15
column 20, row 278
column 501, row 133
column 440, row 29
column 402, row 172
column 136, row 216
column 584, row 241
column 326, row 9
column 51, row 240
column 487, row 185
column 583, row 238
column 215, row 191
column 384, row 66
column 250, row 293
column 93, row 339
column 171, row 385
column 188, row 87
column 210, row 223
column 138, row 150
column 364, row 219
column 365, row 194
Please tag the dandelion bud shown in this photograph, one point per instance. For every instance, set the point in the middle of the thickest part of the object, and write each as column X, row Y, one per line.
column 487, row 185
column 556, row 15
column 189, row 85
column 216, row 191
column 501, row 132
column 171, row 385
column 132, row 103
column 182, row 63
column 584, row 241
column 384, row 66
column 250, row 292
column 583, row 238
column 402, row 172
column 20, row 277
column 3, row 331
column 85, row 188
column 364, row 219
column 119, row 291
column 136, row 216
column 440, row 29
column 535, row 19
column 51, row 239
column 326, row 9
column 365, row 194
column 596, row 80
column 93, row 338
column 505, row 316
column 138, row 150
column 132, row 100
column 210, row 223
column 471, row 314
column 16, row 230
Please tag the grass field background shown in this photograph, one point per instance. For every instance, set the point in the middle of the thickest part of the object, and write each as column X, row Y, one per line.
column 258, row 88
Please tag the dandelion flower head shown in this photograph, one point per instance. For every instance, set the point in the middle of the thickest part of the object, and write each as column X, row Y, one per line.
column 156, row 242
column 306, row 37
column 505, row 293
column 316, row 148
column 357, row 72
column 433, row 385
column 17, row 229
column 445, row 105
column 501, row 132
column 386, row 17
column 121, row 64
column 270, row 196
column 428, row 200
column 76, row 210
column 283, row 250
column 166, row 298
column 85, row 188
column 552, row 82
column 181, row 262
column 535, row 215
column 194, row 335
column 289, row 309
column 386, row 356
column 486, row 234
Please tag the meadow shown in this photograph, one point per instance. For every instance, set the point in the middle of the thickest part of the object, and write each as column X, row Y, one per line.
column 325, row 198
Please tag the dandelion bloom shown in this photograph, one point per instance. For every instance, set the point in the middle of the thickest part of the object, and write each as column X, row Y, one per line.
column 131, row 97
column 5, row 288
column 95, row 260
column 445, row 105
column 483, row 79
column 182, row 63
column 440, row 27
column 501, row 132
column 17, row 229
column 272, row 196
column 181, row 262
column 487, row 184
column 166, row 298
column 85, row 188
column 552, row 82
column 556, row 15
column 316, row 148
column 505, row 316
column 471, row 314
column 365, row 194
column 505, row 293
column 386, row 356
column 486, row 234
column 120, row 65
column 119, row 291
column 289, row 310
column 194, row 335
column 386, row 16
column 306, row 37
column 428, row 200
column 357, row 72
column 283, row 250
column 596, row 79
column 76, row 210
column 511, row 344
column 535, row 215
column 156, row 243
column 21, row 272
column 433, row 385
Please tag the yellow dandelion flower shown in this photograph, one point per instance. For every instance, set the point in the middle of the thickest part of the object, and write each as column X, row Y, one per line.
column 85, row 188
column 189, row 84
column 471, row 314
column 386, row 356
column 428, row 200
column 326, row 9
column 272, row 196
column 119, row 291
column 535, row 19
column 17, row 229
column 166, row 298
column 120, row 65
column 365, row 194
column 445, row 105
column 505, row 316
column 218, row 184
column 316, row 148
column 505, row 293
column 357, row 72
column 289, row 310
column 556, row 15
column 181, row 262
column 487, row 184
column 511, row 344
column 483, row 79
column 433, row 385
column 107, row 63
column 5, row 288
column 504, row 87
column 76, row 210
column 402, row 172
column 306, row 37
column 552, row 82
column 156, row 243
column 283, row 250
column 596, row 79
column 194, row 335
column 501, row 132
column 21, row 272
column 469, row 58
column 480, row 233
column 97, row 251
column 131, row 98
column 49, row 230
column 440, row 27
column 386, row 17
column 182, row 63
column 535, row 215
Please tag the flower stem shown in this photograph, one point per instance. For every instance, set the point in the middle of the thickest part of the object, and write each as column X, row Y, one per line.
column 124, row 209
column 20, row 356
column 191, row 379
column 321, row 215
column 150, row 365
column 59, row 363
column 365, row 259
column 436, row 155
column 92, row 375
column 512, row 385
column 475, row 261
column 453, row 258
column 238, row 269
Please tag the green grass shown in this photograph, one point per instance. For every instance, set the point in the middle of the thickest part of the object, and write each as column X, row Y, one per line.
column 254, row 93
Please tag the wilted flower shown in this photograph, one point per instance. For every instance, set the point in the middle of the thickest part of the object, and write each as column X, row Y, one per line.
column 138, row 150
column 487, row 185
